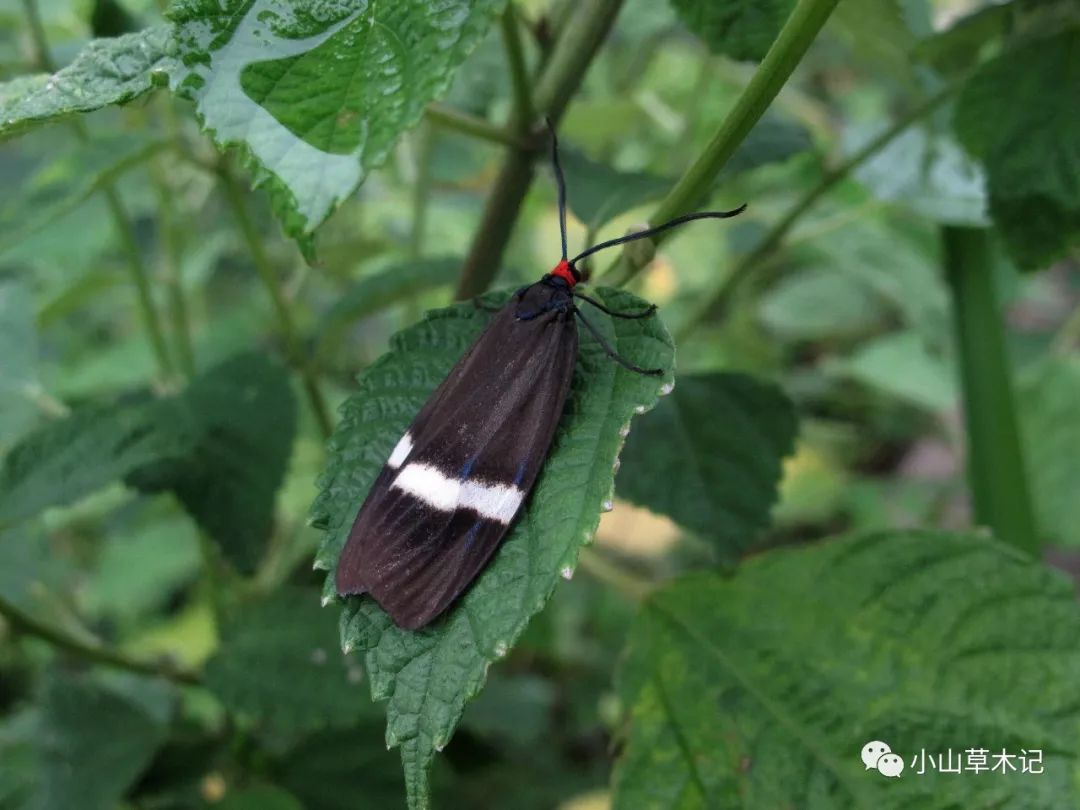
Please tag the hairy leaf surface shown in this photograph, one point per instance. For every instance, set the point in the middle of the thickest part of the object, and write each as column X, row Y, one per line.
column 709, row 457
column 428, row 676
column 760, row 690
column 315, row 97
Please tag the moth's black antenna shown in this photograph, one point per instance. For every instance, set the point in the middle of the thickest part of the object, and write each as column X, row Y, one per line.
column 560, row 182
column 610, row 352
column 645, row 313
column 630, row 237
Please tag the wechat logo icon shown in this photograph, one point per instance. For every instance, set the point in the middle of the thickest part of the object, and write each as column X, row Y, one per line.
column 877, row 755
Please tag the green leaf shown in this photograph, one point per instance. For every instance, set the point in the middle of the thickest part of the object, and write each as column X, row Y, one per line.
column 222, row 446
column 903, row 366
column 376, row 292
column 107, row 71
column 165, row 552
column 18, row 359
column 957, row 47
column 760, row 690
column 317, row 98
column 328, row 770
column 279, row 662
column 741, row 29
column 68, row 459
column 68, row 179
column 1047, row 400
column 709, row 457
column 428, row 676
column 820, row 303
column 18, row 758
column 94, row 742
column 600, row 193
column 33, row 577
column 262, row 797
column 242, row 414
column 1029, row 141
column 929, row 174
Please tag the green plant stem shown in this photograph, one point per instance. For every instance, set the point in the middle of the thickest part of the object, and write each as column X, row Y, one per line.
column 1000, row 494
column 170, row 258
column 97, row 653
column 524, row 113
column 421, row 189
column 800, row 29
column 140, row 275
column 715, row 304
column 136, row 266
column 293, row 346
column 578, row 43
column 449, row 118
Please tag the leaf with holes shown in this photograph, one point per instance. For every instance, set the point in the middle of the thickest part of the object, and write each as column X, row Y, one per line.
column 315, row 97
column 428, row 676
column 107, row 71
column 709, row 457
column 279, row 660
column 761, row 689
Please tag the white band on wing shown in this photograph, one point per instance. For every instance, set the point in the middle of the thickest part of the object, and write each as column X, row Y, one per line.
column 498, row 502
column 401, row 451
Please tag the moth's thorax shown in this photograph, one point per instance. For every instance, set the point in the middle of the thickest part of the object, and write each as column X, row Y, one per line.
column 567, row 273
column 550, row 294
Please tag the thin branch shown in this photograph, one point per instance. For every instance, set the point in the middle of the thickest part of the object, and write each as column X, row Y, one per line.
column 578, row 43
column 524, row 112
column 170, row 262
column 293, row 346
column 136, row 266
column 693, row 187
column 97, row 653
column 449, row 118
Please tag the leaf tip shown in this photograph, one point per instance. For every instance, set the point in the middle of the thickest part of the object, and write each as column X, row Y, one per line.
column 567, row 572
column 666, row 389
column 501, row 648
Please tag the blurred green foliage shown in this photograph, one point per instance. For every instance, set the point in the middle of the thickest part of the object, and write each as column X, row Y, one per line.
column 172, row 346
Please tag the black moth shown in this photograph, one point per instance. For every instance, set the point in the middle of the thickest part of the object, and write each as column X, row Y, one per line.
column 457, row 480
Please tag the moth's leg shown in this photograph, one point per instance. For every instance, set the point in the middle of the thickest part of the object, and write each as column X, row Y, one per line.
column 645, row 313
column 622, row 361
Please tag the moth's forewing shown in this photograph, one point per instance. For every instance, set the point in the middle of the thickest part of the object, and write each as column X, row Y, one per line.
column 460, row 475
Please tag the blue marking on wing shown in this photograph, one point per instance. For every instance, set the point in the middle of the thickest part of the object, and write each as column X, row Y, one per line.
column 471, row 536
column 520, row 473
column 466, row 470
